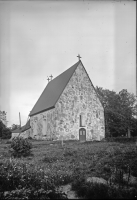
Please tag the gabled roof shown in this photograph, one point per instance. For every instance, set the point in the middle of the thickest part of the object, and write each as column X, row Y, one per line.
column 26, row 127
column 23, row 128
column 53, row 90
column 18, row 130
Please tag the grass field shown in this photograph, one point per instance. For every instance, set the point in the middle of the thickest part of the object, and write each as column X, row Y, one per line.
column 74, row 158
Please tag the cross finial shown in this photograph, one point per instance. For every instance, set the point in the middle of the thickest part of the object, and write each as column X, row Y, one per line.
column 51, row 76
column 48, row 79
column 78, row 56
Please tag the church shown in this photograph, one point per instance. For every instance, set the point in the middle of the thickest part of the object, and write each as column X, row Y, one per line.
column 68, row 109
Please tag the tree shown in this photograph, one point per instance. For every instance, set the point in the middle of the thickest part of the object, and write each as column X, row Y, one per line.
column 14, row 127
column 120, row 109
column 128, row 108
column 5, row 133
column 2, row 127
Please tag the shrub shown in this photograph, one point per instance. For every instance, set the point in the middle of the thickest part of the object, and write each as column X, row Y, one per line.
column 120, row 139
column 90, row 190
column 68, row 152
column 30, row 138
column 20, row 147
column 40, row 194
column 49, row 159
column 23, row 181
column 5, row 133
column 62, row 178
column 101, row 191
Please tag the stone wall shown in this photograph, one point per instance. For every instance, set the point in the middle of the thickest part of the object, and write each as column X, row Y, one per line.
column 43, row 125
column 24, row 134
column 78, row 98
column 13, row 135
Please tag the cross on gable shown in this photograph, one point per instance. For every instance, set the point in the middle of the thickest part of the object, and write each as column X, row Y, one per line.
column 48, row 79
column 51, row 76
column 78, row 56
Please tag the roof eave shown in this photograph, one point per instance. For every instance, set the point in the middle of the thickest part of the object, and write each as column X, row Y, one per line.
column 42, row 111
column 26, row 129
column 92, row 85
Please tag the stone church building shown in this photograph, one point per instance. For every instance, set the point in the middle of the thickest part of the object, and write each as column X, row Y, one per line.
column 68, row 108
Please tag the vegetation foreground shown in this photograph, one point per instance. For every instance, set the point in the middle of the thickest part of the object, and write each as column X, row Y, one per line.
column 52, row 165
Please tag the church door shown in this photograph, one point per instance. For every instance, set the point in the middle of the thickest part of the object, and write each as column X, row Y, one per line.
column 82, row 134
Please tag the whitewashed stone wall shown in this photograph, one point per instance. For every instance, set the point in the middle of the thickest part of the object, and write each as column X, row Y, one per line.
column 43, row 125
column 14, row 135
column 24, row 134
column 78, row 98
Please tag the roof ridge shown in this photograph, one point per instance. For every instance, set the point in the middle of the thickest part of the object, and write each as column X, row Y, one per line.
column 65, row 71
column 53, row 90
column 68, row 80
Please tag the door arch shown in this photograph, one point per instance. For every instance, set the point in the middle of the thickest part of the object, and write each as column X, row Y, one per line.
column 82, row 134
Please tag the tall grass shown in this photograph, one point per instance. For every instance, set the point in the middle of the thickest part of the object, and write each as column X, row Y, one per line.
column 18, row 180
column 74, row 163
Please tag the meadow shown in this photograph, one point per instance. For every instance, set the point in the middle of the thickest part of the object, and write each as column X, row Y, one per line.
column 77, row 161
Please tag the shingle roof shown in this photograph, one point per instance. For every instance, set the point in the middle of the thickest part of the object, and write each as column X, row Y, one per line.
column 23, row 128
column 53, row 90
column 26, row 127
column 18, row 130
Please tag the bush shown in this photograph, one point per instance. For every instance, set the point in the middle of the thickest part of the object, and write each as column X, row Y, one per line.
column 20, row 147
column 23, row 181
column 92, row 190
column 40, row 194
column 5, row 133
column 89, row 190
column 68, row 152
column 30, row 138
column 120, row 139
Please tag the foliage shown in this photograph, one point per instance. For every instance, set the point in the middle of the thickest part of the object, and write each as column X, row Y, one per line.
column 89, row 190
column 68, row 152
column 20, row 147
column 77, row 161
column 120, row 109
column 120, row 139
column 5, row 133
column 134, row 127
column 21, row 181
column 14, row 127
column 94, row 190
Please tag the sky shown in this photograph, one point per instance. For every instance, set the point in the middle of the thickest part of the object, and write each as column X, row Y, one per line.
column 40, row 38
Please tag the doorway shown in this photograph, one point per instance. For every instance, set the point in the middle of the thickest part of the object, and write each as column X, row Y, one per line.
column 82, row 134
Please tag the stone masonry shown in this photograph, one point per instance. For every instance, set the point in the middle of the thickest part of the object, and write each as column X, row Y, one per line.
column 63, row 121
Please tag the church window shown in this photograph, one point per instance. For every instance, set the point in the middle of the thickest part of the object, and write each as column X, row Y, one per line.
column 82, row 121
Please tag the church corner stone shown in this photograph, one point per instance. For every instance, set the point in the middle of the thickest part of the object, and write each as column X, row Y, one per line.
column 63, row 122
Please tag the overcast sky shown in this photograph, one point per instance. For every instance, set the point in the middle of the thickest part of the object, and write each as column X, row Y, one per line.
column 40, row 38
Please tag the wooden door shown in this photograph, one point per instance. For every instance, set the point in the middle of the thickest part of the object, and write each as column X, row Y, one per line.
column 82, row 134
